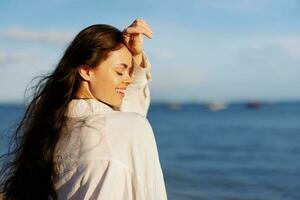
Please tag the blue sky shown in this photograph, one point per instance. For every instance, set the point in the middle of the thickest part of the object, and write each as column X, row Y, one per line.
column 202, row 50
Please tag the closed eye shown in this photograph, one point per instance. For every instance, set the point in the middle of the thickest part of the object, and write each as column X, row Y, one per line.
column 125, row 66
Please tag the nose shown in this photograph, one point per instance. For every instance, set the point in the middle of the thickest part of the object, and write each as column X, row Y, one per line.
column 129, row 79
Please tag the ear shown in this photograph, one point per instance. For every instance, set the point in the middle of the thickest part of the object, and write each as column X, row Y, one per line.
column 85, row 72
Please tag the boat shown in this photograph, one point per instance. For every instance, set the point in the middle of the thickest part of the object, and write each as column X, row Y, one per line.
column 216, row 106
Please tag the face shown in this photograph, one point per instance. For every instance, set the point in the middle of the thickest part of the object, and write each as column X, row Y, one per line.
column 108, row 81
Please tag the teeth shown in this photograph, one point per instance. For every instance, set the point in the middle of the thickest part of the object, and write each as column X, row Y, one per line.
column 120, row 90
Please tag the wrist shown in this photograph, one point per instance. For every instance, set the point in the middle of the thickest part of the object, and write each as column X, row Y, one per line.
column 138, row 59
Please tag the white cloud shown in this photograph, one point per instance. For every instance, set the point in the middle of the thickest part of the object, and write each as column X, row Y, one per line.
column 15, row 58
column 23, row 34
column 288, row 45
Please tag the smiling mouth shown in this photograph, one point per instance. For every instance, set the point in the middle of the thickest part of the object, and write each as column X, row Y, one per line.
column 121, row 91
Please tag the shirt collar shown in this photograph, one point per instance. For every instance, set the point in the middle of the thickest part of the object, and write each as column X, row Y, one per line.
column 86, row 107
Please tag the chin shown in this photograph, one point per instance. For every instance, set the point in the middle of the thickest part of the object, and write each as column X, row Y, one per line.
column 116, row 107
column 117, row 104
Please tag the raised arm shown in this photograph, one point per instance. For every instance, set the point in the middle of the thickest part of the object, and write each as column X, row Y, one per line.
column 137, row 96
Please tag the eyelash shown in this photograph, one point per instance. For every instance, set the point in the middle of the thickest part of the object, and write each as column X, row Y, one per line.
column 121, row 74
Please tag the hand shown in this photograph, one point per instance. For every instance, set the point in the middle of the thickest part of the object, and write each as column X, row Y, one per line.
column 133, row 38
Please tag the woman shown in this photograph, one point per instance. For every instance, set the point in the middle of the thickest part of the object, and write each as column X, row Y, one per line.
column 84, row 135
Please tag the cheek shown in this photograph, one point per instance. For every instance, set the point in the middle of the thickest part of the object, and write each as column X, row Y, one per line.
column 98, row 83
column 115, row 78
column 107, row 82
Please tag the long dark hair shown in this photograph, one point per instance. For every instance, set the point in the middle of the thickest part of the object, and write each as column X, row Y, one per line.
column 29, row 169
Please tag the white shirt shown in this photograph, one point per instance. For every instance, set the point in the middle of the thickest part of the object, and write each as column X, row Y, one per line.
column 110, row 154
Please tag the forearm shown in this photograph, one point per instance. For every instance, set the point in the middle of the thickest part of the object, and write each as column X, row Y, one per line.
column 139, row 60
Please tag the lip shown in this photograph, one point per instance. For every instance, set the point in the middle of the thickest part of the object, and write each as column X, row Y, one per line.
column 121, row 94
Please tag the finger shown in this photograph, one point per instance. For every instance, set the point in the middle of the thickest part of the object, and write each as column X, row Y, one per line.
column 145, row 27
column 132, row 38
column 126, row 38
column 138, row 29
column 140, row 22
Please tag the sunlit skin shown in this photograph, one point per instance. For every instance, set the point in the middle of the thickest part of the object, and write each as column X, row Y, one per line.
column 101, row 82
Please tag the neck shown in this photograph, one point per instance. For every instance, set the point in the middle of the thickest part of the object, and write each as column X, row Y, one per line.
column 83, row 92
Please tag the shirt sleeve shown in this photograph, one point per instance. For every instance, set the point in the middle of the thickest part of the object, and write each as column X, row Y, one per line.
column 137, row 97
column 146, row 164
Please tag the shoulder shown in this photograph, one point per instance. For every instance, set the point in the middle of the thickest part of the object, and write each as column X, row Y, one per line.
column 118, row 125
column 131, row 121
column 129, row 129
column 117, row 121
column 131, row 137
column 124, row 127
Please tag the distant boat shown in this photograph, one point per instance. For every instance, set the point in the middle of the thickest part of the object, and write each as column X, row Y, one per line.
column 254, row 105
column 216, row 106
column 174, row 106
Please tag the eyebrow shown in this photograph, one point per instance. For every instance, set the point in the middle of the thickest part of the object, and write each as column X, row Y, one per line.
column 124, row 65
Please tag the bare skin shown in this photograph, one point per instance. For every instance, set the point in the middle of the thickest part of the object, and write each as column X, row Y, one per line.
column 133, row 37
column 104, row 81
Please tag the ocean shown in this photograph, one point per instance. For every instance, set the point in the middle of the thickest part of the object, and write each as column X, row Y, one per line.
column 239, row 152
